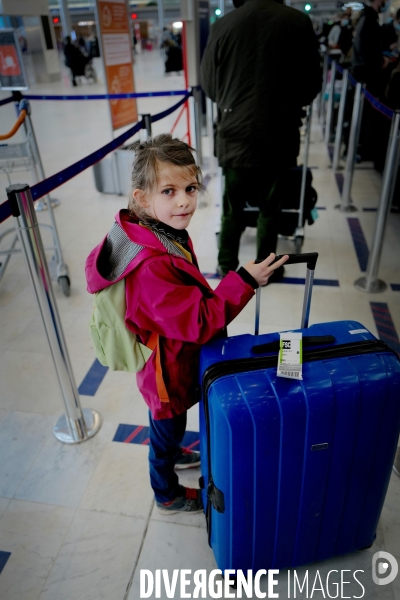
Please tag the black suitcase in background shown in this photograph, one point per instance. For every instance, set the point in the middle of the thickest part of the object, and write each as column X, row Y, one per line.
column 289, row 198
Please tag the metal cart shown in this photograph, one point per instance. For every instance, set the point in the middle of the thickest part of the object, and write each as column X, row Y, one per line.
column 25, row 156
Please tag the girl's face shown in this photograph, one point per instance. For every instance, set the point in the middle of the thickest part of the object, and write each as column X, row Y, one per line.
column 174, row 199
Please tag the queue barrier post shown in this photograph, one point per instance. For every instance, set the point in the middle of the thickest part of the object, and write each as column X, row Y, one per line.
column 329, row 110
column 370, row 282
column 339, row 128
column 346, row 204
column 213, row 166
column 146, row 132
column 76, row 425
column 197, row 122
column 322, row 95
column 299, row 233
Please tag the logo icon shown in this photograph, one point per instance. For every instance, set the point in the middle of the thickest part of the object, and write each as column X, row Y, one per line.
column 384, row 563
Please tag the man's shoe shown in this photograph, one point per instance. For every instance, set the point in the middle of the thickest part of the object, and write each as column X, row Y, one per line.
column 188, row 460
column 191, row 502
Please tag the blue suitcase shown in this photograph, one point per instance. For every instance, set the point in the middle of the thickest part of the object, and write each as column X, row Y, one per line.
column 294, row 472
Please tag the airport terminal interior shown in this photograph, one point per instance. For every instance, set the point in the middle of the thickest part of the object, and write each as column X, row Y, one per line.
column 79, row 521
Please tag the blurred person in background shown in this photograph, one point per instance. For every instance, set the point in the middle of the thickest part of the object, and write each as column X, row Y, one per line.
column 369, row 66
column 73, row 59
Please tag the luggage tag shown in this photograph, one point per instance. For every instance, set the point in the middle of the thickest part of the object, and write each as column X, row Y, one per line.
column 290, row 358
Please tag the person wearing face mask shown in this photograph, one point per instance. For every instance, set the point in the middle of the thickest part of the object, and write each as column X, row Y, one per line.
column 261, row 66
column 345, row 41
column 341, row 34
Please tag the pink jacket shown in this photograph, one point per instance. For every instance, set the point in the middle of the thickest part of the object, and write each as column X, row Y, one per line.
column 168, row 295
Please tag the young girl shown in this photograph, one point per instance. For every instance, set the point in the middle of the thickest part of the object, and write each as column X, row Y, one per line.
column 169, row 304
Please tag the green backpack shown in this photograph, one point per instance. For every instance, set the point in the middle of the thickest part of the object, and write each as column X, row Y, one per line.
column 116, row 347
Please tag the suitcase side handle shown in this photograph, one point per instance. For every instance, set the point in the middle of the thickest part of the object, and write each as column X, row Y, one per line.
column 311, row 259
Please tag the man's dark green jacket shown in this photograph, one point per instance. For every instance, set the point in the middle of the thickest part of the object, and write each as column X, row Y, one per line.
column 261, row 66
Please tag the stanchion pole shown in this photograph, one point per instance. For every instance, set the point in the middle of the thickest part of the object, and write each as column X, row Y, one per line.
column 330, row 103
column 210, row 134
column 299, row 232
column 346, row 204
column 396, row 466
column 76, row 425
column 339, row 128
column 305, row 165
column 197, row 123
column 145, row 133
column 321, row 114
column 370, row 283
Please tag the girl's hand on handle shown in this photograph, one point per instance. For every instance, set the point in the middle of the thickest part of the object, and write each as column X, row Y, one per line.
column 263, row 270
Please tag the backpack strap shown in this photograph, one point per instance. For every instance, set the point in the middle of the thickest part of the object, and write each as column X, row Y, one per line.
column 154, row 344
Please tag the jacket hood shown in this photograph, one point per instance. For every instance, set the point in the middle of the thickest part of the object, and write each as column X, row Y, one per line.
column 124, row 247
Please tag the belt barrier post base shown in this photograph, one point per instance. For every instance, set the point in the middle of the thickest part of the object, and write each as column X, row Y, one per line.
column 376, row 286
column 77, row 426
column 349, row 208
column 64, row 425
column 339, row 127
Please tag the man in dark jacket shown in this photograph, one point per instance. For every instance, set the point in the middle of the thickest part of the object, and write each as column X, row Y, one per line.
column 261, row 66
column 369, row 67
column 390, row 34
column 74, row 59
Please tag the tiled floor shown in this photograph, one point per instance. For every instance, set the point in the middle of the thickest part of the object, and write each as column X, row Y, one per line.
column 78, row 522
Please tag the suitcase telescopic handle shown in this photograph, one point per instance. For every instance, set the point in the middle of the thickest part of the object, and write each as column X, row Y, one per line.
column 310, row 258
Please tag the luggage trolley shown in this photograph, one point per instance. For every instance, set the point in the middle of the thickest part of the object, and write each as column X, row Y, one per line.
column 25, row 156
column 251, row 212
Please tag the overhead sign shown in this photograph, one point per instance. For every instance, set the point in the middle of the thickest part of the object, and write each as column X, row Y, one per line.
column 12, row 71
column 117, row 58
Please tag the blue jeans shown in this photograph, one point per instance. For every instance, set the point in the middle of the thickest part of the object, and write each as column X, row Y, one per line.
column 166, row 436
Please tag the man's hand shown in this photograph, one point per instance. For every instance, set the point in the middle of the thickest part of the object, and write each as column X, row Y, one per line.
column 262, row 271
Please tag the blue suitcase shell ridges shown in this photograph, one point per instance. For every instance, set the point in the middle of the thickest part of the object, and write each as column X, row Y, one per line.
column 303, row 466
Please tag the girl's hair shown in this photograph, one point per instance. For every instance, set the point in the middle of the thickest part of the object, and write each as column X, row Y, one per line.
column 161, row 149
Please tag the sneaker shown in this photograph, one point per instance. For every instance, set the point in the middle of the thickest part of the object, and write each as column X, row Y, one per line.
column 191, row 503
column 188, row 460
